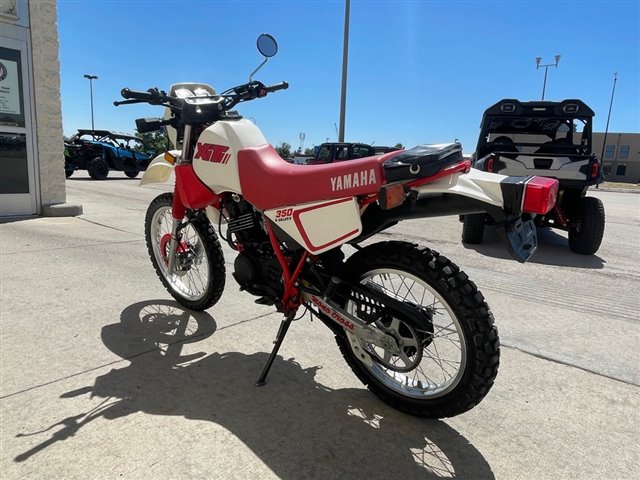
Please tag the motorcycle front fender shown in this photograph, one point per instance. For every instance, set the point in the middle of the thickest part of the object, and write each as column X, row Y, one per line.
column 159, row 170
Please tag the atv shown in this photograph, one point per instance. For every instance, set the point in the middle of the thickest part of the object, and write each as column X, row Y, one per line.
column 99, row 151
column 551, row 139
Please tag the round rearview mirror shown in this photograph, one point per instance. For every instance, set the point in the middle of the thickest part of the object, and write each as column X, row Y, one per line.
column 267, row 45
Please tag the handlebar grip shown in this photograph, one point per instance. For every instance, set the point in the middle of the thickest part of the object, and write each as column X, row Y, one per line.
column 134, row 94
column 145, row 125
column 276, row 87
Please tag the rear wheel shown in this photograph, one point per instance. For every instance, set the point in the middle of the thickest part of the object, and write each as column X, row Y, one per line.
column 131, row 173
column 448, row 362
column 199, row 277
column 98, row 168
column 586, row 236
column 473, row 228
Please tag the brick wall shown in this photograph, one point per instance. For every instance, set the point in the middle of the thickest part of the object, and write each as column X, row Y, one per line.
column 46, row 80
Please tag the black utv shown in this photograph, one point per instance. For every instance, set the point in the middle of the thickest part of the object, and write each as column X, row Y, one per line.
column 550, row 139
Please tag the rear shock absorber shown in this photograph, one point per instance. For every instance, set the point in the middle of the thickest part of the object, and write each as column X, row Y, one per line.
column 559, row 215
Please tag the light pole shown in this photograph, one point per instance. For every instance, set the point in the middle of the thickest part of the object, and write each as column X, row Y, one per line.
column 91, row 78
column 538, row 60
column 345, row 56
column 606, row 130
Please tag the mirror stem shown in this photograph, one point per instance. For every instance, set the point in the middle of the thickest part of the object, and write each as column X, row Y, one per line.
column 266, row 59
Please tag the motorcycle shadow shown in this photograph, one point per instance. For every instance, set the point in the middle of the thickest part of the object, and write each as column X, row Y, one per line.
column 553, row 249
column 298, row 427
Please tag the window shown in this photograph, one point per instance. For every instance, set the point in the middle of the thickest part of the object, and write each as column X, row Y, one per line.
column 325, row 153
column 610, row 151
column 606, row 169
column 342, row 153
column 360, row 152
column 624, row 151
column 622, row 169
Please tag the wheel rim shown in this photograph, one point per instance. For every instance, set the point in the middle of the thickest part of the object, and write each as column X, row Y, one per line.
column 192, row 280
column 441, row 366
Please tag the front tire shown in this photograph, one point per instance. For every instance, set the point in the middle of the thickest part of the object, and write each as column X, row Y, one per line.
column 98, row 168
column 585, row 238
column 459, row 343
column 473, row 228
column 131, row 173
column 199, row 278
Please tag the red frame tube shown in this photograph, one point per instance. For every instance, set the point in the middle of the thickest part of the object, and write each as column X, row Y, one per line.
column 291, row 298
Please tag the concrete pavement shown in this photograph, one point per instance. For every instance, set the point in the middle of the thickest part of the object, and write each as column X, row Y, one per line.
column 102, row 375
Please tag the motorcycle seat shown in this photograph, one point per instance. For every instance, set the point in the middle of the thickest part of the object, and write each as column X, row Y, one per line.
column 422, row 161
column 268, row 181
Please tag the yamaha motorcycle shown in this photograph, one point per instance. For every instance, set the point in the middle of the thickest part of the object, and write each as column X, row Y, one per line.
column 411, row 325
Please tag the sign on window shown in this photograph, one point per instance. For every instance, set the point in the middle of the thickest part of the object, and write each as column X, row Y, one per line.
column 11, row 103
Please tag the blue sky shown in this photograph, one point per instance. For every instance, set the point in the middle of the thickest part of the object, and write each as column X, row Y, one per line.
column 419, row 71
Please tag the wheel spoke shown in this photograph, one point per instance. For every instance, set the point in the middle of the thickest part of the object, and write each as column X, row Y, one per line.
column 435, row 363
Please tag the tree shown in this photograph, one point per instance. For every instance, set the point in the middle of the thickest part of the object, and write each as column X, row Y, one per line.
column 154, row 142
column 308, row 152
column 284, row 150
column 398, row 145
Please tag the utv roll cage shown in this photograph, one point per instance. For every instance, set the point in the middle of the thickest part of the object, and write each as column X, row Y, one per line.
column 554, row 122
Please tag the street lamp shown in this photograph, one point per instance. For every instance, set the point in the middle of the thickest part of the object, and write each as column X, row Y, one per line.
column 538, row 60
column 91, row 78
column 345, row 57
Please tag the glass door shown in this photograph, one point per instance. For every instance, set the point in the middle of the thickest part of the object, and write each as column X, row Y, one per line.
column 17, row 169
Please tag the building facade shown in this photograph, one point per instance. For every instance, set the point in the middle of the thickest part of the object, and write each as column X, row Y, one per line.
column 621, row 157
column 32, row 180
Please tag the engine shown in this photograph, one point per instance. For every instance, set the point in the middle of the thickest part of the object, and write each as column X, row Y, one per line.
column 256, row 268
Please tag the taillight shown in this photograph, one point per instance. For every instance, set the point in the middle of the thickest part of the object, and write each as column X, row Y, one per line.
column 594, row 169
column 540, row 195
column 490, row 164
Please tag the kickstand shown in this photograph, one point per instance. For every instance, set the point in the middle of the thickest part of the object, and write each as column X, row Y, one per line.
column 282, row 331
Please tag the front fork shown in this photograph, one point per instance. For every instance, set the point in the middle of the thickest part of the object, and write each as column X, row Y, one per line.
column 178, row 211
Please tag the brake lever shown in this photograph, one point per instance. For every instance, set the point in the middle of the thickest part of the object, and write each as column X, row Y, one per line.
column 126, row 102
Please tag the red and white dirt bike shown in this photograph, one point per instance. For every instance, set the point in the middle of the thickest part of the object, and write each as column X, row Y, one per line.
column 411, row 325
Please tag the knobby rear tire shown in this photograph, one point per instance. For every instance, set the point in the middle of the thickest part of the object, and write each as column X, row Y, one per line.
column 461, row 299
column 205, row 242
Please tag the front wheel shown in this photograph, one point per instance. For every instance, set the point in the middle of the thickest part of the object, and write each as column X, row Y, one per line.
column 199, row 274
column 449, row 358
column 98, row 168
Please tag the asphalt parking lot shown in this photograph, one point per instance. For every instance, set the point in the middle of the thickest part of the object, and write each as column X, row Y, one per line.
column 102, row 375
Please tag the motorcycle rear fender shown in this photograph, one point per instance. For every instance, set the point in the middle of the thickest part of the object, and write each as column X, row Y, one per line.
column 159, row 170
column 500, row 196
column 482, row 186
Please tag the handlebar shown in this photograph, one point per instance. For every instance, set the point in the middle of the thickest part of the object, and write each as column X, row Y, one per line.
column 216, row 104
column 136, row 95
column 276, row 87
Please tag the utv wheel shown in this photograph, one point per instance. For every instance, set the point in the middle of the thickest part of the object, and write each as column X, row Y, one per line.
column 98, row 168
column 199, row 277
column 449, row 360
column 473, row 228
column 68, row 173
column 132, row 173
column 585, row 238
